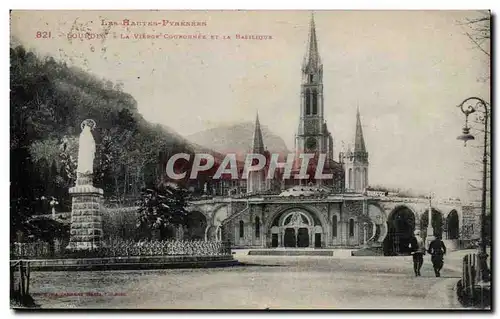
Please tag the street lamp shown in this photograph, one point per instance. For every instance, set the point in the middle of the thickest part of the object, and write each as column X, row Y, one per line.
column 469, row 106
column 430, row 229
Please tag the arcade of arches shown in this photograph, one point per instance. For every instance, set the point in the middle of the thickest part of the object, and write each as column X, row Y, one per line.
column 341, row 226
column 198, row 228
column 301, row 226
column 402, row 224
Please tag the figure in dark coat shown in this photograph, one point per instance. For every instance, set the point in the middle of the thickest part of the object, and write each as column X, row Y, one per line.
column 417, row 247
column 437, row 249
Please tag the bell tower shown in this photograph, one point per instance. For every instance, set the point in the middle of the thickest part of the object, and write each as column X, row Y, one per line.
column 310, row 135
column 356, row 163
column 256, row 180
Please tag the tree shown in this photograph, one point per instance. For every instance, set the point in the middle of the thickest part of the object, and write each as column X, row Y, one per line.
column 48, row 101
column 478, row 30
column 23, row 221
column 161, row 208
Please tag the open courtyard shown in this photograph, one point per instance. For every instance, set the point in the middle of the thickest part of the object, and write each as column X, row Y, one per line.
column 261, row 282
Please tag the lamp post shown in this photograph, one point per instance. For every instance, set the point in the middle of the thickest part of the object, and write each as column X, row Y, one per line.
column 430, row 229
column 469, row 106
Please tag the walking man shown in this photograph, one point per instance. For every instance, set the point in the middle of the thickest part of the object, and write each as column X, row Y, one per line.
column 418, row 251
column 437, row 249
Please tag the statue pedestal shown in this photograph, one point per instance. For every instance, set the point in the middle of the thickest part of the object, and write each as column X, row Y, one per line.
column 86, row 217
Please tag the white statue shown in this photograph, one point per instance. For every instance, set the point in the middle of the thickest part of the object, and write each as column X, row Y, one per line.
column 86, row 148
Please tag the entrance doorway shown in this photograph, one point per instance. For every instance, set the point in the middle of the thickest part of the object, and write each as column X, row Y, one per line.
column 289, row 239
column 274, row 240
column 303, row 237
column 294, row 228
column 317, row 240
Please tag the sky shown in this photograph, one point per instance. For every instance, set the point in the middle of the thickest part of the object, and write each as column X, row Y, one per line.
column 405, row 70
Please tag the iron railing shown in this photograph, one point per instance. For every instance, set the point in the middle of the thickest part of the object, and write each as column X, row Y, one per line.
column 122, row 248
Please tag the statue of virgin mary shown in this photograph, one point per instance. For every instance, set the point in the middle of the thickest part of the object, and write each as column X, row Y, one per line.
column 86, row 148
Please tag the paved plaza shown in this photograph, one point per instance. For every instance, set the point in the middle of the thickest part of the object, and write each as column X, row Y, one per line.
column 262, row 282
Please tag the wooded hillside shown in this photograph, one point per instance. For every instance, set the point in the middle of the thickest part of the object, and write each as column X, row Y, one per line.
column 49, row 100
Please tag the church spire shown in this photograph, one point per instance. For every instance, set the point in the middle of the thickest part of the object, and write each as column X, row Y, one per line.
column 312, row 58
column 359, row 141
column 258, row 141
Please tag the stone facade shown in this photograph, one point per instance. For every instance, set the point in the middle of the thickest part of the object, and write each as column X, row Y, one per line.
column 86, row 215
column 471, row 226
column 326, row 221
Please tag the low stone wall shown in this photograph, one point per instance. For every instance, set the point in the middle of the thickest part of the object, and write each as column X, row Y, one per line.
column 130, row 263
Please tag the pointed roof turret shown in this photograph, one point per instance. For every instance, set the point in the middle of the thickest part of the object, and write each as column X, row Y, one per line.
column 359, row 141
column 258, row 141
column 312, row 58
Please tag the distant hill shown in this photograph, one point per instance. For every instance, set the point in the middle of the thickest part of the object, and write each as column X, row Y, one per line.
column 48, row 101
column 237, row 139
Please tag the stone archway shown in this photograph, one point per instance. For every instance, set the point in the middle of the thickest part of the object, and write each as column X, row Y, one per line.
column 295, row 228
column 452, row 225
column 378, row 230
column 216, row 230
column 213, row 233
column 400, row 229
column 437, row 223
column 196, row 226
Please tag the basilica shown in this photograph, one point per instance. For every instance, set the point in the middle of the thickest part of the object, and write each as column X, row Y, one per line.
column 348, row 174
column 261, row 212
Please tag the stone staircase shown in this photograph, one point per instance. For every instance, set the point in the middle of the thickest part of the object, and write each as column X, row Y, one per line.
column 290, row 252
column 336, row 252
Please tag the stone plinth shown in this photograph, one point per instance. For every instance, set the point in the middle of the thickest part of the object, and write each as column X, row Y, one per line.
column 86, row 217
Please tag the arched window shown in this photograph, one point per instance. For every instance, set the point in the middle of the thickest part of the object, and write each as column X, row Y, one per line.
column 311, row 78
column 314, row 102
column 257, row 227
column 242, row 229
column 351, row 227
column 350, row 179
column 361, row 179
column 334, row 226
column 308, row 101
column 357, row 179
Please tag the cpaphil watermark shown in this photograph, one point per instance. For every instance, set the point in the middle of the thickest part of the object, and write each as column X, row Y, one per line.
column 302, row 164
